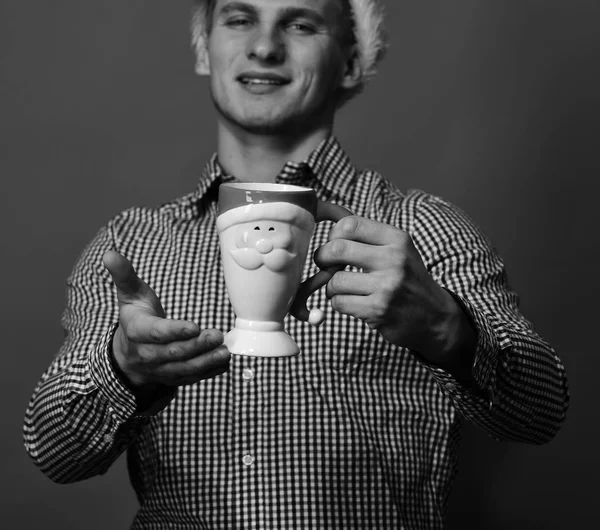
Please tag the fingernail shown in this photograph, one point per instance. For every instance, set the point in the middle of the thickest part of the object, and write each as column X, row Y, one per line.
column 215, row 338
column 224, row 353
column 190, row 332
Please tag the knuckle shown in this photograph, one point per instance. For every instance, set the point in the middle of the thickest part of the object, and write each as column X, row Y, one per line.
column 214, row 337
column 349, row 225
column 221, row 355
column 209, row 341
column 338, row 248
column 155, row 334
column 336, row 282
column 317, row 256
column 381, row 308
column 174, row 350
column 337, row 303
column 339, row 282
column 391, row 284
column 145, row 356
column 396, row 254
column 131, row 330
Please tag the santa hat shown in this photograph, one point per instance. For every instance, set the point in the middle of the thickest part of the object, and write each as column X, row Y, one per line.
column 251, row 201
column 368, row 27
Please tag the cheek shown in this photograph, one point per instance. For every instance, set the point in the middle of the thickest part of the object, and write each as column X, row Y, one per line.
column 222, row 57
column 320, row 71
column 283, row 235
column 242, row 235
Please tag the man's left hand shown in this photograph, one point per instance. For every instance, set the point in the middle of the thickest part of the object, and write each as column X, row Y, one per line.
column 394, row 294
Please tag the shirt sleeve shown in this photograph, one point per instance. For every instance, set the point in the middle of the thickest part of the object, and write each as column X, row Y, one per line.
column 81, row 417
column 520, row 391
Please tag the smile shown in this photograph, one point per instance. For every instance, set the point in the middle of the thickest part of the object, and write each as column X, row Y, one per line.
column 262, row 78
column 255, row 81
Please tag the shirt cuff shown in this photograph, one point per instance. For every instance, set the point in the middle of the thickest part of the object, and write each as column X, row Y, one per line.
column 120, row 399
column 115, row 390
column 485, row 360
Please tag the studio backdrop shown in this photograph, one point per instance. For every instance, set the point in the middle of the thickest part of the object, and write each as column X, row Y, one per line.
column 492, row 105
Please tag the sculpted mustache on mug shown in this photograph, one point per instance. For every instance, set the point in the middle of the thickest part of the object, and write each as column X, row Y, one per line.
column 263, row 243
column 276, row 260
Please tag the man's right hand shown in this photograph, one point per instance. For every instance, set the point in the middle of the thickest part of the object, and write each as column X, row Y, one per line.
column 152, row 350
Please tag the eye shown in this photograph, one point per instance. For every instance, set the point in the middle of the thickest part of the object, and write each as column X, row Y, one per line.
column 271, row 229
column 257, row 228
column 301, row 28
column 237, row 22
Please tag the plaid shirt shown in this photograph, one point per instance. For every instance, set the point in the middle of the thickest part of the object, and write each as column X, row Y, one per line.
column 352, row 433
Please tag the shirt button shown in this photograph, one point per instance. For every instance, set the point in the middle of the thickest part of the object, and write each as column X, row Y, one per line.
column 247, row 374
column 108, row 438
column 248, row 460
column 451, row 387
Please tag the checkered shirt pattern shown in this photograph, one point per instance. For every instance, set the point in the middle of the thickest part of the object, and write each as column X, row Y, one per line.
column 353, row 432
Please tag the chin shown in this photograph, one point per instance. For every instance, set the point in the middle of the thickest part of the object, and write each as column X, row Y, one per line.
column 262, row 124
column 270, row 116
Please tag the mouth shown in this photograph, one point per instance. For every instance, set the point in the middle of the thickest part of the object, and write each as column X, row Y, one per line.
column 262, row 79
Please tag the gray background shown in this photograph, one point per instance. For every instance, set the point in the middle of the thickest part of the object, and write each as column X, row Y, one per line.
column 492, row 105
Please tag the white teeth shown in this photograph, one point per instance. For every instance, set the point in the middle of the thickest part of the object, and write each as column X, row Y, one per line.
column 261, row 82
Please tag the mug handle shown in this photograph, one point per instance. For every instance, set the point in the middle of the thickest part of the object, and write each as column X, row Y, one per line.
column 326, row 211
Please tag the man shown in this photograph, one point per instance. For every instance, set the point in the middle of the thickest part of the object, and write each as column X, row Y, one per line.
column 360, row 430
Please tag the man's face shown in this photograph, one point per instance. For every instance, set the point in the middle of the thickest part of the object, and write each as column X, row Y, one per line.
column 277, row 65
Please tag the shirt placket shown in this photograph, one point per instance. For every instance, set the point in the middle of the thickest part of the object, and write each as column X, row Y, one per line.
column 248, row 405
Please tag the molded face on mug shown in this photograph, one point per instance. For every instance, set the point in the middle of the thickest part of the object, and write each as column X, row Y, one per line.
column 264, row 248
column 263, row 243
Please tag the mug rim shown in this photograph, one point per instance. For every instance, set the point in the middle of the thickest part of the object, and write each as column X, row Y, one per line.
column 236, row 194
column 270, row 187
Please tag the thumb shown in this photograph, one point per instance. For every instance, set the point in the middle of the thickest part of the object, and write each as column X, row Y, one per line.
column 128, row 283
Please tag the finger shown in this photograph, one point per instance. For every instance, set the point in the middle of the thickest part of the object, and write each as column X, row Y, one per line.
column 197, row 368
column 356, row 283
column 204, row 344
column 207, row 375
column 363, row 230
column 346, row 252
column 123, row 274
column 357, row 306
column 144, row 328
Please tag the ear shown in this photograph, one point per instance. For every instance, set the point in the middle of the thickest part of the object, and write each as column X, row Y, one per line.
column 202, row 59
column 353, row 71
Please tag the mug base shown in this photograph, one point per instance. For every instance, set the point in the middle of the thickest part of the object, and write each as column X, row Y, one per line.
column 256, row 343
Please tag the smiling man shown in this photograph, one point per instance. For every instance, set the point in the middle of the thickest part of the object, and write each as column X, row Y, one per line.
column 361, row 429
column 290, row 85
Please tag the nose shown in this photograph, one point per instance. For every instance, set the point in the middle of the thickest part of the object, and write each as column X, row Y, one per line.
column 264, row 246
column 266, row 46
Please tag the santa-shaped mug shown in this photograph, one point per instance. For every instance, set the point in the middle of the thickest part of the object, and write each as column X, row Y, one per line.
column 265, row 231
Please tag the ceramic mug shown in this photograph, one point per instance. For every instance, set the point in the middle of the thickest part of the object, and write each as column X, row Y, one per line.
column 264, row 232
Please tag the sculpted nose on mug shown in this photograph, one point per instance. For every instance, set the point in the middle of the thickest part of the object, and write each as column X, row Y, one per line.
column 264, row 246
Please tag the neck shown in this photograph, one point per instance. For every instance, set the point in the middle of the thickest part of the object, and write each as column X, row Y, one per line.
column 260, row 157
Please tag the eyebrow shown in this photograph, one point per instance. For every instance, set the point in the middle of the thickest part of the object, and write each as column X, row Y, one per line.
column 237, row 6
column 287, row 13
column 290, row 13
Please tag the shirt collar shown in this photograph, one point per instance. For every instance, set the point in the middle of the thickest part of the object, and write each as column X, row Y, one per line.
column 327, row 169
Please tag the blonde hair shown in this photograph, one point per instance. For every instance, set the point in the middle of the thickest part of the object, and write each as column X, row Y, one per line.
column 367, row 26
